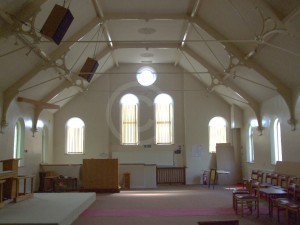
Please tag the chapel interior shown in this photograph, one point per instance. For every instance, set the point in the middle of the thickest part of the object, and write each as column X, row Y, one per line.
column 108, row 95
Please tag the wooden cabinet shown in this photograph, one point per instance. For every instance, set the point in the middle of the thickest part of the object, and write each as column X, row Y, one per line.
column 9, row 173
column 12, row 184
column 100, row 175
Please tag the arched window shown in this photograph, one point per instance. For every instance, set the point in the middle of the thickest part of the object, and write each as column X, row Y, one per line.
column 250, row 155
column 129, row 120
column 19, row 141
column 277, row 150
column 164, row 124
column 146, row 76
column 44, row 143
column 217, row 132
column 75, row 130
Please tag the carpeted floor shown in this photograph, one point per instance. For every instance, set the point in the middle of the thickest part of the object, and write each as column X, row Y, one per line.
column 174, row 205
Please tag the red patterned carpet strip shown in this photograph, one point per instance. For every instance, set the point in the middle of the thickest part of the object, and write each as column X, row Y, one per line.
column 161, row 212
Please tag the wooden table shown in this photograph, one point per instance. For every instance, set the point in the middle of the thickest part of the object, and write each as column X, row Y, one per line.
column 213, row 175
column 272, row 192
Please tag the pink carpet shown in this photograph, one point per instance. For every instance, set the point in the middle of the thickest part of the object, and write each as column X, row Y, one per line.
column 157, row 212
column 161, row 212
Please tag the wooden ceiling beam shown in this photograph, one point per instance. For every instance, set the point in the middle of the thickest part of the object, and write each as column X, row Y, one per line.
column 37, row 103
column 10, row 93
column 282, row 89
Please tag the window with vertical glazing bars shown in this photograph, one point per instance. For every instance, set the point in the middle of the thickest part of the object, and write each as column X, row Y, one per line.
column 129, row 120
column 75, row 136
column 164, row 124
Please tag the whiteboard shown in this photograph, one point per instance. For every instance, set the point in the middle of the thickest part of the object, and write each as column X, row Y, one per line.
column 160, row 158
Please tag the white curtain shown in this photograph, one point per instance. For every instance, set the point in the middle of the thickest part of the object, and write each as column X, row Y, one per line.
column 217, row 134
column 75, row 139
column 164, row 123
column 129, row 124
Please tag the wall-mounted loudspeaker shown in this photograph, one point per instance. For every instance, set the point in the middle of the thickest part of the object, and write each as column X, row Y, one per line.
column 57, row 24
column 89, row 68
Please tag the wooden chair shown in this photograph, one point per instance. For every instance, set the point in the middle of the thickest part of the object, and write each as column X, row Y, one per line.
column 274, row 179
column 253, row 175
column 246, row 201
column 218, row 222
column 268, row 178
column 260, row 176
column 240, row 191
column 292, row 208
column 280, row 203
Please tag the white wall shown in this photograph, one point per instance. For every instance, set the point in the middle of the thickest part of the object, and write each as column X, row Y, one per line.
column 32, row 145
column 199, row 108
column 271, row 109
column 99, row 109
column 193, row 109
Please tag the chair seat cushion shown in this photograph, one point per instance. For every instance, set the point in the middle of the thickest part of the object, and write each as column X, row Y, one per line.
column 242, row 191
column 246, row 196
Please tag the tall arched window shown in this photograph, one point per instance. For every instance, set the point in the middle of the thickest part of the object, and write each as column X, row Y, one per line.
column 277, row 150
column 129, row 120
column 250, row 155
column 19, row 141
column 164, row 124
column 217, row 132
column 75, row 130
column 44, row 143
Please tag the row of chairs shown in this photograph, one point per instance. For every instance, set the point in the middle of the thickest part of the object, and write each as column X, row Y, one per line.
column 249, row 194
column 271, row 178
column 289, row 204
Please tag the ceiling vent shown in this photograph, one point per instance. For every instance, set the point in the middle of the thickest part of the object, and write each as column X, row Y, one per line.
column 146, row 30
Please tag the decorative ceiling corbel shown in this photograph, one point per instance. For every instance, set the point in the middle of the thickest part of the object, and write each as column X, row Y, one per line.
column 39, row 106
column 282, row 89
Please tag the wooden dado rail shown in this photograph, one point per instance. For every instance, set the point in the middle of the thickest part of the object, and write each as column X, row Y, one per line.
column 170, row 175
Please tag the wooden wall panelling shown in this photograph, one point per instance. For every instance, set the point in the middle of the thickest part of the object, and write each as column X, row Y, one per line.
column 100, row 175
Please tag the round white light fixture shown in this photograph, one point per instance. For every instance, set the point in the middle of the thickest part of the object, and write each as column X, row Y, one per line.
column 146, row 76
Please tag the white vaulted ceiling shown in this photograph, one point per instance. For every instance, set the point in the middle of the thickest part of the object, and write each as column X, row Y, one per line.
column 246, row 51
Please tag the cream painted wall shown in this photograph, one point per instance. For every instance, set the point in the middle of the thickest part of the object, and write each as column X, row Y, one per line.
column 271, row 109
column 199, row 108
column 99, row 108
column 32, row 145
column 91, row 108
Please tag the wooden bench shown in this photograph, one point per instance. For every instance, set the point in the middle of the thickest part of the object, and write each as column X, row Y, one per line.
column 26, row 192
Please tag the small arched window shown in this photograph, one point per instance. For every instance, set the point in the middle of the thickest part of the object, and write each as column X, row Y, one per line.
column 75, row 130
column 129, row 119
column 250, row 155
column 164, row 124
column 277, row 150
column 217, row 132
column 44, row 143
column 19, row 141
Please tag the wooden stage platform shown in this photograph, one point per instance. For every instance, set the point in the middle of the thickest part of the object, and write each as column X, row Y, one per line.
column 47, row 209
